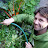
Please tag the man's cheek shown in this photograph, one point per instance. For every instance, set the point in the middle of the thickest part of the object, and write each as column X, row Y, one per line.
column 43, row 25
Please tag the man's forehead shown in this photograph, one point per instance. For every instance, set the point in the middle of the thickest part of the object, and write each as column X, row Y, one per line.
column 39, row 16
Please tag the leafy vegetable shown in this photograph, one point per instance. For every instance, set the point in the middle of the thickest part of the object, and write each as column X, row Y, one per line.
column 11, row 36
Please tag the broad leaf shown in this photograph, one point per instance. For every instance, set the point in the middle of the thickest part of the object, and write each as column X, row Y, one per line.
column 3, row 6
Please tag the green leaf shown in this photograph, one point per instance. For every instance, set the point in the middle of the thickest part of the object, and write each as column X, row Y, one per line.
column 28, row 4
column 26, row 33
column 3, row 6
column 33, row 2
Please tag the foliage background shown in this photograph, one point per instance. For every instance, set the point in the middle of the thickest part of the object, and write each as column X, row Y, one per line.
column 11, row 36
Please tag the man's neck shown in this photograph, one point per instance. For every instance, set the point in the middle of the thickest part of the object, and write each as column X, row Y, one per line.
column 42, row 31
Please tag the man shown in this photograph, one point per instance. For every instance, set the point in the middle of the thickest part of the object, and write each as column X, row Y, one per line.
column 40, row 34
column 40, row 26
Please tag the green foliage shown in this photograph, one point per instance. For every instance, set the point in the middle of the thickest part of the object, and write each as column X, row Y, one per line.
column 10, row 38
column 10, row 35
column 3, row 6
column 29, row 6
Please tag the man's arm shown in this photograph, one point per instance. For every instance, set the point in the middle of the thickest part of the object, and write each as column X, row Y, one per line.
column 19, row 18
column 7, row 21
column 24, row 18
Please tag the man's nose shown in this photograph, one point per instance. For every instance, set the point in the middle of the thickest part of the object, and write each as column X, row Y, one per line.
column 36, row 22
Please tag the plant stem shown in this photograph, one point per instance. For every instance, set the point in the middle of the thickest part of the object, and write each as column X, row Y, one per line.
column 7, row 13
column 13, row 9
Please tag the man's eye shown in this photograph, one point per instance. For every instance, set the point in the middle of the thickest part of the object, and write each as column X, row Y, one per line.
column 40, row 20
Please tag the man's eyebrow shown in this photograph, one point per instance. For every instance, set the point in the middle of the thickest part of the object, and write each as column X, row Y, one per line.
column 41, row 19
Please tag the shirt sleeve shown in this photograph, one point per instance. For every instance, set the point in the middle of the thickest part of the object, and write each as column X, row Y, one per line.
column 24, row 18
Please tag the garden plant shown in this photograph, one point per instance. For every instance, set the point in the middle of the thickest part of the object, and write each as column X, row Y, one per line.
column 11, row 36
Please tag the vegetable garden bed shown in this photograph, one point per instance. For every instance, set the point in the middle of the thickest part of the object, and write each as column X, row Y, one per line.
column 11, row 36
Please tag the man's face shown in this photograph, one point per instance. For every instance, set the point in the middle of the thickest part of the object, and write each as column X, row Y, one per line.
column 40, row 22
